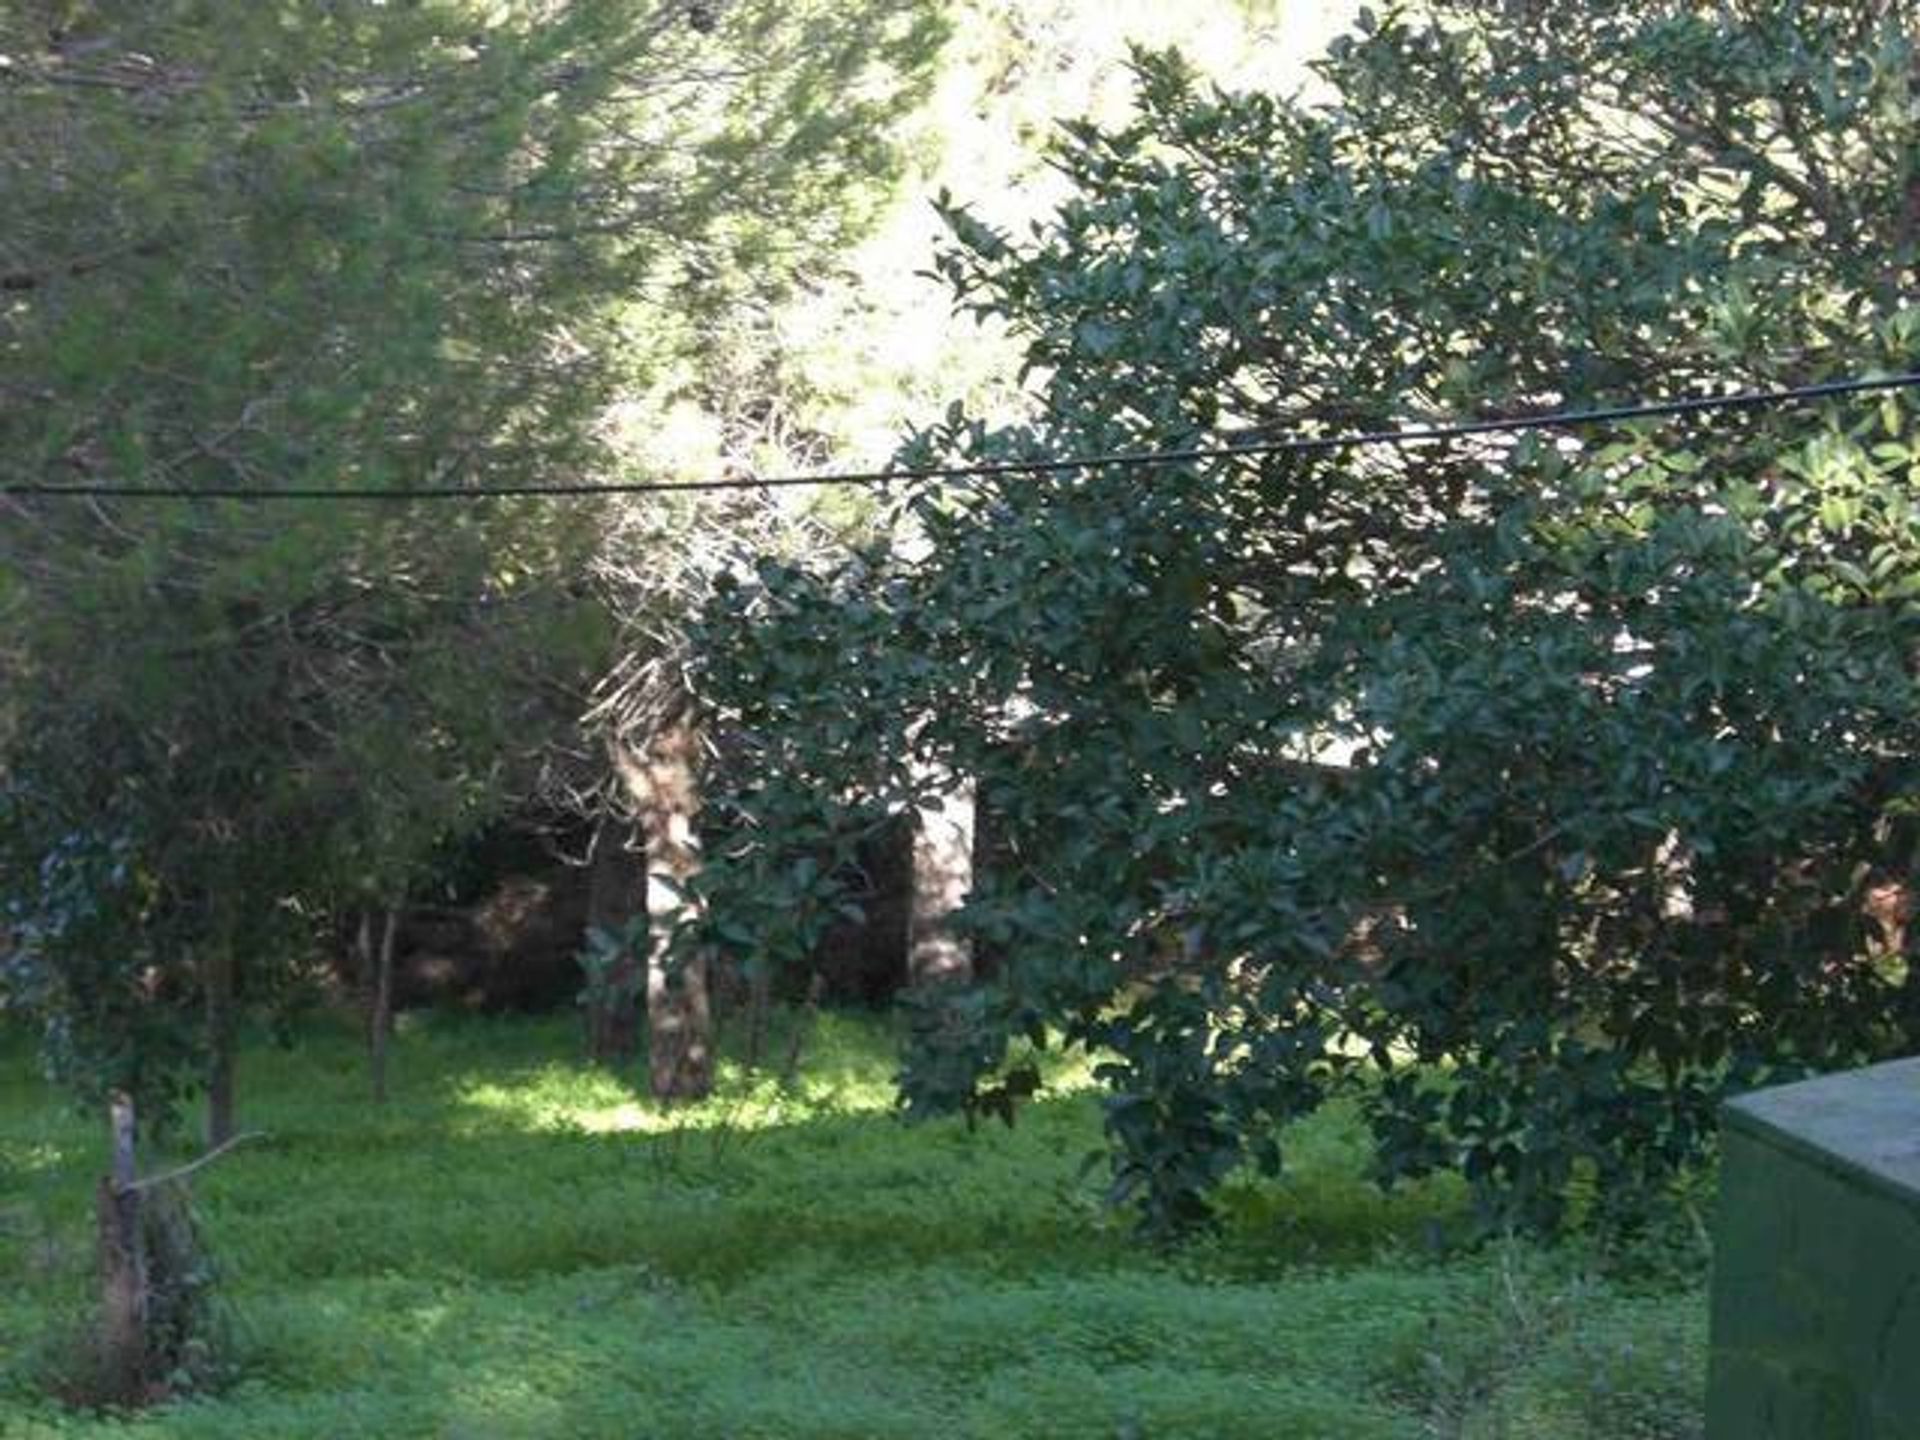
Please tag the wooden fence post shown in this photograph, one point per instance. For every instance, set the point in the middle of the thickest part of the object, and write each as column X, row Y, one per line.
column 123, row 1262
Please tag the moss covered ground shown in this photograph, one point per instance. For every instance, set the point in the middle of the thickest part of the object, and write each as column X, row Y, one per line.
column 518, row 1245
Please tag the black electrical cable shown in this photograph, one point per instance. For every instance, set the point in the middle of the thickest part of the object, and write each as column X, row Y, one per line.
column 1123, row 459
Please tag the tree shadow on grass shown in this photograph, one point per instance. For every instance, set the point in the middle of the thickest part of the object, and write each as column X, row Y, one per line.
column 504, row 1198
column 465, row 1175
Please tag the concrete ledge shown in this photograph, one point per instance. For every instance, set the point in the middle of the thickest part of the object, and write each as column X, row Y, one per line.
column 1816, row 1284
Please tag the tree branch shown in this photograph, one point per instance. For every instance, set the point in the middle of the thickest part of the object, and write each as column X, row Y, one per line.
column 180, row 1172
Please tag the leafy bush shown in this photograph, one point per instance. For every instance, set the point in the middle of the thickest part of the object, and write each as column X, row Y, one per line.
column 72, row 958
column 1533, row 789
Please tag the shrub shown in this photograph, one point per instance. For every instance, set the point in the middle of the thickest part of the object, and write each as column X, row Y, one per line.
column 1533, row 788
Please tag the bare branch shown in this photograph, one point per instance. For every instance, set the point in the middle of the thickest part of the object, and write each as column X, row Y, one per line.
column 180, row 1172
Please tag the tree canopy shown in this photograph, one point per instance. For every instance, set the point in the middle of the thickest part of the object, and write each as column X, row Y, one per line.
column 263, row 248
column 1531, row 790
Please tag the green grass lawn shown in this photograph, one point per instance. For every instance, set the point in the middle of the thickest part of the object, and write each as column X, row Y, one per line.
column 517, row 1246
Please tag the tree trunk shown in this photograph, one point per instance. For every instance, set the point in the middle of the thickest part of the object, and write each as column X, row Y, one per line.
column 1892, row 906
column 218, row 981
column 380, row 1012
column 942, row 878
column 664, row 786
column 615, row 895
column 759, row 1010
column 123, row 1264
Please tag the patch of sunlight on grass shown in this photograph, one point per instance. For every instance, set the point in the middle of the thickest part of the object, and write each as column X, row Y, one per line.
column 843, row 1072
column 564, row 1099
column 490, row 1406
column 550, row 1097
column 427, row 1320
column 19, row 1159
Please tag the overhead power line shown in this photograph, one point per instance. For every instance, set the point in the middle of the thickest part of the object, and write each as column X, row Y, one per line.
column 1111, row 460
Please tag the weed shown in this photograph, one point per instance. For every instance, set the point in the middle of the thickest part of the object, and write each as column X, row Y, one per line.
column 519, row 1245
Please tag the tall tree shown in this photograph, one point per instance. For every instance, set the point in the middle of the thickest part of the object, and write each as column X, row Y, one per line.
column 381, row 247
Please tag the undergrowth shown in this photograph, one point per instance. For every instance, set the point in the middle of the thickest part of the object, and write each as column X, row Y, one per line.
column 520, row 1245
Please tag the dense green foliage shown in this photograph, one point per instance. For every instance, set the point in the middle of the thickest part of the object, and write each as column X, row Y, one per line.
column 1467, row 817
column 1544, row 780
column 1502, row 804
column 262, row 248
column 520, row 1247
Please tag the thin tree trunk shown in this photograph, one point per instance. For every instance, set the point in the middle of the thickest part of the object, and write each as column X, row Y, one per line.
column 759, row 1008
column 123, row 1264
column 363, row 960
column 380, row 1020
column 1909, row 1004
column 664, row 786
column 942, row 878
column 615, row 895
column 1892, row 906
column 221, row 1026
column 803, row 1028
